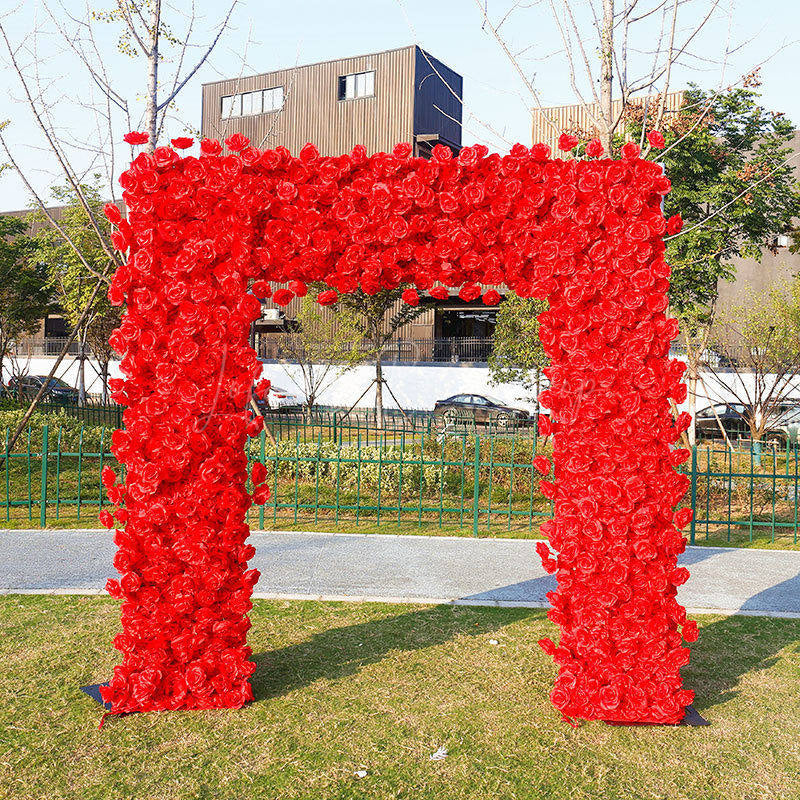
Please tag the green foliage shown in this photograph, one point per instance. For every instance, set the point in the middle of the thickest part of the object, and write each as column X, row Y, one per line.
column 24, row 291
column 718, row 148
column 70, row 428
column 69, row 277
column 518, row 355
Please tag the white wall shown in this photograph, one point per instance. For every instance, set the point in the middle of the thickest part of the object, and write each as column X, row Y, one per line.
column 416, row 386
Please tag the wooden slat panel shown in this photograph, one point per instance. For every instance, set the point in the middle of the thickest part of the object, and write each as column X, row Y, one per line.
column 312, row 111
column 550, row 122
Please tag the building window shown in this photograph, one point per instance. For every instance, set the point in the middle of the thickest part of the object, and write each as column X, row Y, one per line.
column 249, row 103
column 357, row 84
column 273, row 99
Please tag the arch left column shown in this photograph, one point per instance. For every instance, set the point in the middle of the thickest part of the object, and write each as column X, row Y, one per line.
column 180, row 517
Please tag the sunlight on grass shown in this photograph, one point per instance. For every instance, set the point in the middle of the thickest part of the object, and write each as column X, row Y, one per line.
column 343, row 687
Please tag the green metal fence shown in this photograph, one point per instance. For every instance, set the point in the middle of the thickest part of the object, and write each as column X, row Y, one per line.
column 327, row 472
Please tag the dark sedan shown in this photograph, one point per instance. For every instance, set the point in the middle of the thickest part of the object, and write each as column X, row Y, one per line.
column 734, row 417
column 28, row 386
column 481, row 409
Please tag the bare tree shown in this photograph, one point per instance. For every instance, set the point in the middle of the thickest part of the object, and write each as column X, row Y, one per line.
column 323, row 346
column 603, row 43
column 168, row 56
column 754, row 356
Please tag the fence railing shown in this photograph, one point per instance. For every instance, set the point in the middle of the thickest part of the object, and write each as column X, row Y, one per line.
column 51, row 346
column 286, row 347
column 403, row 477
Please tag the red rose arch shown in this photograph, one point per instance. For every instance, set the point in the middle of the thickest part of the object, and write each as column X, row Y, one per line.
column 205, row 238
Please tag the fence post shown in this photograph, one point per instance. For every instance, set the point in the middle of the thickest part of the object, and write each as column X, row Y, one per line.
column 694, row 494
column 43, row 494
column 477, row 487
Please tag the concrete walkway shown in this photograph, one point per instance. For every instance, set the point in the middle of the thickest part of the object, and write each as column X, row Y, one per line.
column 419, row 569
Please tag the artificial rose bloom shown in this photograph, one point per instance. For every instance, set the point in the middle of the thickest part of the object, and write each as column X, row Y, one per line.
column 282, row 297
column 656, row 139
column 136, row 137
column 210, row 147
column 542, row 465
column 182, row 142
column 594, row 149
column 674, row 224
column 491, row 298
column 567, row 142
column 113, row 214
column 630, row 150
column 328, row 297
column 261, row 289
column 299, row 288
column 410, row 297
column 690, row 632
column 439, row 292
column 236, row 142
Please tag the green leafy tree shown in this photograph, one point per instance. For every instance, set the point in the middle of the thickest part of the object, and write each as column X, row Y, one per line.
column 517, row 355
column 726, row 156
column 72, row 275
column 24, row 289
column 756, row 349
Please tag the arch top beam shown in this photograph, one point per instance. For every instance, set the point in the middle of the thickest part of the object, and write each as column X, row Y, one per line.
column 205, row 238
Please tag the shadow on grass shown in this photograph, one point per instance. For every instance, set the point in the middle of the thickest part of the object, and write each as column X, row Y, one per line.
column 729, row 649
column 338, row 652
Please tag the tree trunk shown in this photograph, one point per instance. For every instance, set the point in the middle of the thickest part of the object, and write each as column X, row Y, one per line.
column 151, row 112
column 378, row 391
column 82, row 371
column 104, row 378
column 691, row 380
column 607, row 74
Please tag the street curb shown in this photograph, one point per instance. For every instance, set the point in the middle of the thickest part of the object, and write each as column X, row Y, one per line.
column 419, row 601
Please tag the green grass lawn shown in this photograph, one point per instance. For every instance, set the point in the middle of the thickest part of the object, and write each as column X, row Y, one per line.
column 347, row 687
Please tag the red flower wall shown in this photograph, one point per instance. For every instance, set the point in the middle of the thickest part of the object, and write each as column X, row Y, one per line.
column 205, row 235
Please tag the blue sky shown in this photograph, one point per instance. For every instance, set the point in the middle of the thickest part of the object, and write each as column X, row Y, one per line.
column 279, row 34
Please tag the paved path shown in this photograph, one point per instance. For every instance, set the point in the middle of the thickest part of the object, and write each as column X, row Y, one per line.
column 427, row 569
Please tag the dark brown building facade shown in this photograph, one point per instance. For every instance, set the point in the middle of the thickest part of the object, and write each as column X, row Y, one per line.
column 376, row 100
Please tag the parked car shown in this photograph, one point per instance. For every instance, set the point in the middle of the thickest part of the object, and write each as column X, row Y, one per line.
column 782, row 426
column 278, row 399
column 480, row 409
column 57, row 391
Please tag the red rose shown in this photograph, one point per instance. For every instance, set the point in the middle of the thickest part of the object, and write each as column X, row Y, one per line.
column 299, row 288
column 105, row 518
column 491, row 298
column 630, row 150
column 136, row 137
column 237, row 142
column 566, row 142
column 439, row 292
column 308, row 152
column 210, row 147
column 282, row 297
column 262, row 389
column 113, row 214
column 542, row 465
column 410, row 297
column 690, row 631
column 594, row 149
column 261, row 289
column 182, row 142
column 656, row 139
column 108, row 477
column 328, row 297
column 258, row 474
column 674, row 224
